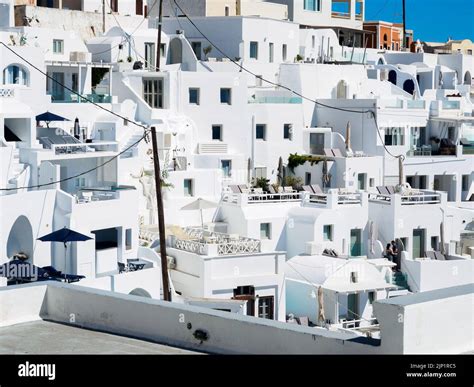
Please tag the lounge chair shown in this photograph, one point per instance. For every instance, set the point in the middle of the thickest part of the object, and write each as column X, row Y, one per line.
column 316, row 189
column 234, row 189
column 272, row 190
column 303, row 320
column 328, row 152
column 439, row 256
column 430, row 254
column 307, row 188
column 391, row 189
column 244, row 189
column 337, row 153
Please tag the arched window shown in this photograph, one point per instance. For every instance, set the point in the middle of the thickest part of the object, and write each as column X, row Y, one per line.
column 15, row 75
column 467, row 78
column 341, row 91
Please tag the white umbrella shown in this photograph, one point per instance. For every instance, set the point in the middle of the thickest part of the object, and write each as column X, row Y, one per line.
column 348, row 137
column 199, row 204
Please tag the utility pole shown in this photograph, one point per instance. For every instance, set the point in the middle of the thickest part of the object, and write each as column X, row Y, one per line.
column 158, row 49
column 103, row 16
column 404, row 26
column 161, row 218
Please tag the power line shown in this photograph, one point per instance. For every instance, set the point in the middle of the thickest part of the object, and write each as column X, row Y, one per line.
column 82, row 173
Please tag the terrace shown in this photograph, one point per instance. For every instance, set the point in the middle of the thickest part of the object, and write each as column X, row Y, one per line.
column 202, row 242
column 408, row 197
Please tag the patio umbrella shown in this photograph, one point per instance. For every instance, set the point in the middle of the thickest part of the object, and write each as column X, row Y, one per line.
column 77, row 128
column 49, row 117
column 348, row 137
column 199, row 204
column 321, row 316
column 280, row 171
column 64, row 236
column 442, row 248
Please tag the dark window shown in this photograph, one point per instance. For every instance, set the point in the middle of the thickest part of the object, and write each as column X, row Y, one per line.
column 194, row 96
column 226, row 96
column 217, row 132
column 371, row 297
column 153, row 92
column 265, row 307
column 287, row 131
column 197, row 49
column 260, row 132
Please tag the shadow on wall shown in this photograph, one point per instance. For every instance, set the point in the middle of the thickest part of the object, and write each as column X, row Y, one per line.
column 20, row 239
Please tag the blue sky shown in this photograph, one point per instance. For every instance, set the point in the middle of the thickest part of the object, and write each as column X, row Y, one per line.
column 432, row 20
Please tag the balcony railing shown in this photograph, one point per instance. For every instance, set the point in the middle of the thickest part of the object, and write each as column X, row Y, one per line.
column 255, row 198
column 76, row 148
column 74, row 98
column 88, row 196
column 289, row 100
column 451, row 105
column 333, row 198
column 416, row 104
column 7, row 92
column 204, row 242
column 410, row 197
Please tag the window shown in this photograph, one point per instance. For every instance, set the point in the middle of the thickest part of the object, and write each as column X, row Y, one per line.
column 58, row 46
column 284, row 52
column 226, row 96
column 260, row 132
column 150, row 56
column 226, row 166
column 288, row 131
column 307, row 178
column 254, row 50
column 226, row 10
column 128, row 239
column 371, row 297
column 465, row 182
column 312, row 5
column 394, row 136
column 371, row 182
column 75, row 82
column 162, row 49
column 188, row 187
column 80, row 182
column 270, row 52
column 244, row 291
column 15, row 75
column 313, row 41
column 217, row 132
column 197, row 49
column 434, row 243
column 265, row 307
column 194, row 96
column 265, row 231
column 469, row 52
column 327, row 232
column 153, row 92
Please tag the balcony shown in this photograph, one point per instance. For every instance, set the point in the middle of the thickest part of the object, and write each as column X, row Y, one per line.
column 416, row 104
column 74, row 98
column 333, row 198
column 260, row 198
column 408, row 198
column 80, row 148
column 202, row 242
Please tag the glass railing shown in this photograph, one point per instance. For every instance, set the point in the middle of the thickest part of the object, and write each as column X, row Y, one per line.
column 398, row 104
column 415, row 104
column 73, row 98
column 451, row 105
column 290, row 100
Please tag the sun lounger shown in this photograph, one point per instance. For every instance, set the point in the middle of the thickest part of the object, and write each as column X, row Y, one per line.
column 307, row 188
column 430, row 254
column 272, row 189
column 390, row 189
column 234, row 189
column 328, row 152
column 336, row 152
column 316, row 189
column 439, row 256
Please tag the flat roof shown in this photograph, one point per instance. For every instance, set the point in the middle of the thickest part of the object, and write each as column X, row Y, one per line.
column 43, row 337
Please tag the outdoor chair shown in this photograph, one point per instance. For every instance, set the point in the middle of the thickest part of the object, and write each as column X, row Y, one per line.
column 337, row 153
column 307, row 188
column 430, row 254
column 439, row 256
column 328, row 152
column 234, row 189
column 390, row 189
column 316, row 188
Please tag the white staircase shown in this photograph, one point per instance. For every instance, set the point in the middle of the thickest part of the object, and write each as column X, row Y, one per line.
column 131, row 138
column 16, row 171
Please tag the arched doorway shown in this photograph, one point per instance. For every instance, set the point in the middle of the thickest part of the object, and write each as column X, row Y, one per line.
column 409, row 86
column 176, row 51
column 341, row 38
column 392, row 76
column 20, row 239
column 140, row 293
column 385, row 41
column 467, row 78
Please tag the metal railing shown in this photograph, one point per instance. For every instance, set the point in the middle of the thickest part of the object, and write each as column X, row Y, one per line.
column 254, row 198
column 64, row 149
column 201, row 240
column 416, row 104
column 96, row 195
column 342, row 198
column 7, row 92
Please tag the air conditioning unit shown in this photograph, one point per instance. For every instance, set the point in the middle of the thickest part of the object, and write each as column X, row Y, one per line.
column 80, row 56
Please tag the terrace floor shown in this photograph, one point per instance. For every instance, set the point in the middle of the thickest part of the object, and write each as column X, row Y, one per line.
column 43, row 337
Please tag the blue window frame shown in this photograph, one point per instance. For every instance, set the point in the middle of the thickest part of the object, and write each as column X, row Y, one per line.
column 254, row 50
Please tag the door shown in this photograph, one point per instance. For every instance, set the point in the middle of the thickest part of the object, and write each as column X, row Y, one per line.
column 356, row 242
column 361, row 177
column 316, row 143
column 418, row 243
column 307, row 178
column 139, row 7
column 353, row 306
column 57, row 88
column 265, row 307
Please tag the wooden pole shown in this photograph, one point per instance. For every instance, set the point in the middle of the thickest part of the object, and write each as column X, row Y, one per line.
column 161, row 218
column 158, row 49
column 103, row 16
column 404, row 27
